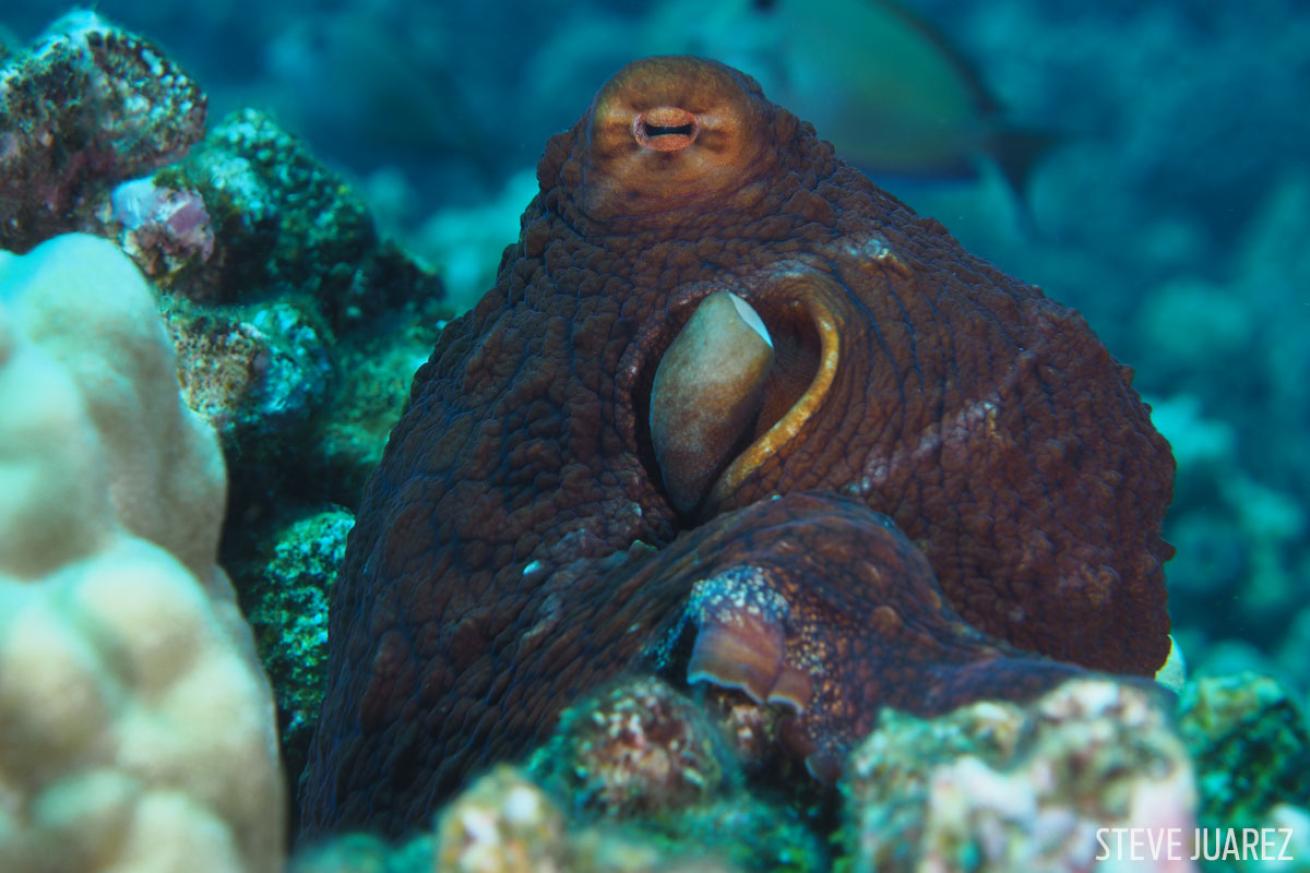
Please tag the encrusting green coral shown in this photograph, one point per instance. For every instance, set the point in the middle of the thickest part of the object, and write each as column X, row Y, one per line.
column 299, row 326
column 287, row 580
column 1251, row 746
column 284, row 223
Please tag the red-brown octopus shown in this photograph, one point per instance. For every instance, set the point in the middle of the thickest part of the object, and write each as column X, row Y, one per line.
column 725, row 412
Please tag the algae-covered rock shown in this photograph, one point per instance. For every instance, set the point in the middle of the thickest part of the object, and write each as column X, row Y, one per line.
column 1251, row 746
column 375, row 366
column 365, row 853
column 259, row 375
column 641, row 753
column 87, row 105
column 749, row 831
column 505, row 823
column 286, row 583
column 639, row 747
column 298, row 326
column 296, row 323
column 284, row 222
column 1002, row 787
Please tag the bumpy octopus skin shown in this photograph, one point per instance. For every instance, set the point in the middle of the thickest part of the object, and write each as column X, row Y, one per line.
column 519, row 544
column 818, row 604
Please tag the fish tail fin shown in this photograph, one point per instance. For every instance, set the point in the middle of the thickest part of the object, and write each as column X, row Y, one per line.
column 1017, row 152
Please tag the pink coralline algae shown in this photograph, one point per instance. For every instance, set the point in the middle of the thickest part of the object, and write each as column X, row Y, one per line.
column 87, row 106
column 163, row 228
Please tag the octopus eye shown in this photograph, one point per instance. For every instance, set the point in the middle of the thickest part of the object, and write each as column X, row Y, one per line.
column 707, row 393
column 665, row 129
column 735, row 387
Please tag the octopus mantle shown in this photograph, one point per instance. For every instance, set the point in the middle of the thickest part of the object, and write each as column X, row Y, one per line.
column 968, row 491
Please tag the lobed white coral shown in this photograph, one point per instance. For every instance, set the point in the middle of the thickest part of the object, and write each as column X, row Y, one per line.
column 136, row 726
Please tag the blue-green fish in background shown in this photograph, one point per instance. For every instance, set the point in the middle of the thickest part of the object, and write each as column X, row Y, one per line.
column 879, row 81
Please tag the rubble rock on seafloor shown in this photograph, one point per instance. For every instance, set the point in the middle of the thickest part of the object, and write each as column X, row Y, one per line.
column 641, row 753
column 297, row 325
column 639, row 747
column 505, row 823
column 260, row 376
column 1002, row 787
column 87, row 106
column 1250, row 744
column 288, row 578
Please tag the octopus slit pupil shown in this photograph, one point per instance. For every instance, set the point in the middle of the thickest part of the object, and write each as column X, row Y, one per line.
column 654, row 130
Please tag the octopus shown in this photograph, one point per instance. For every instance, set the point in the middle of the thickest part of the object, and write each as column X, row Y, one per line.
column 733, row 414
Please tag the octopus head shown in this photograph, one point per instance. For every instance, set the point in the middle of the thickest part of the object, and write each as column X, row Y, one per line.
column 668, row 132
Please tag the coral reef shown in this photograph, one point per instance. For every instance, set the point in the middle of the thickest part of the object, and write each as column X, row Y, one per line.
column 249, row 218
column 294, row 323
column 641, row 753
column 286, row 578
column 998, row 787
column 136, row 726
column 282, row 222
column 281, row 320
column 278, row 292
column 749, row 831
column 88, row 105
column 638, row 748
column 505, row 823
column 1181, row 235
column 1251, row 746
column 1234, row 581
column 259, row 377
column 163, row 229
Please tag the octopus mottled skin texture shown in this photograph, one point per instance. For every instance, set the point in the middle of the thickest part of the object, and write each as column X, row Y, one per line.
column 549, row 513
